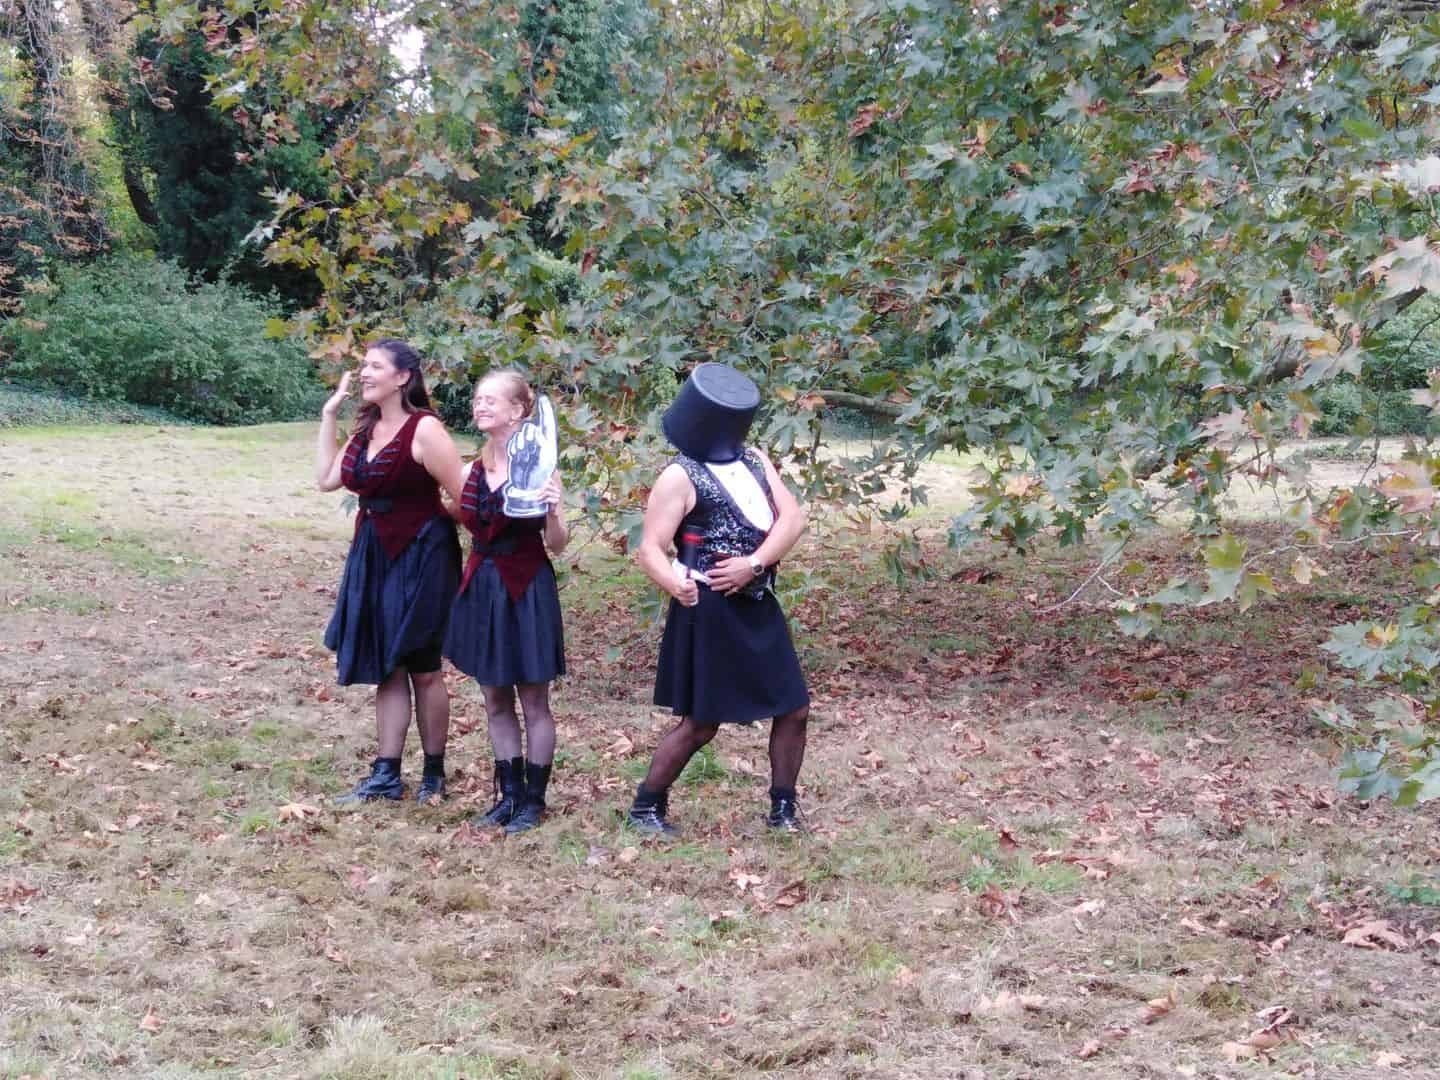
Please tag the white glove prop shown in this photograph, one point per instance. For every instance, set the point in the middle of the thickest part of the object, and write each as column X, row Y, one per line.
column 534, row 450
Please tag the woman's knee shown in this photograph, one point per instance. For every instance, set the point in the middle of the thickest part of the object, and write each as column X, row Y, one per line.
column 425, row 681
column 534, row 698
column 797, row 718
column 699, row 734
column 498, row 699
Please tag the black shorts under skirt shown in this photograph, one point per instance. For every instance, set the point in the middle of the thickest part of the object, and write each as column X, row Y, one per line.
column 392, row 613
column 502, row 642
column 729, row 660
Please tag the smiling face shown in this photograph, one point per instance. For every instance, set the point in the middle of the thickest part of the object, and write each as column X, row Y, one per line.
column 497, row 412
column 379, row 377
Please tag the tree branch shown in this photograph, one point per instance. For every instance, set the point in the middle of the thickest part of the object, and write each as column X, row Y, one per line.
column 1287, row 365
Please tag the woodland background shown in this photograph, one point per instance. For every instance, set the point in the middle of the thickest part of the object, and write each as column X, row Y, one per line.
column 1100, row 338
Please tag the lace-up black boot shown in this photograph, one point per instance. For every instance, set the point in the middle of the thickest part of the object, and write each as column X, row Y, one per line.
column 509, row 791
column 532, row 808
column 785, row 815
column 647, row 813
column 382, row 783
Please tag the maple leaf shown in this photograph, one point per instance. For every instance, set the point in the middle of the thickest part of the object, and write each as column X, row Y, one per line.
column 1411, row 486
column 1413, row 264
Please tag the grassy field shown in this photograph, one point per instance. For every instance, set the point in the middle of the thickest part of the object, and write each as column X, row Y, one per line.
column 1041, row 849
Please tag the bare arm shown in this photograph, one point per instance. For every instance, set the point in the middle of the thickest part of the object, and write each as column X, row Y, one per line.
column 672, row 497
column 790, row 518
column 435, row 450
column 557, row 532
column 327, row 451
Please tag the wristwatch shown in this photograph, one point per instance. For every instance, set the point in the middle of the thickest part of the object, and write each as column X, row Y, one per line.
column 756, row 566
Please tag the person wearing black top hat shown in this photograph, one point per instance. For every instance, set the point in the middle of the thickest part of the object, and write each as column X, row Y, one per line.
column 726, row 654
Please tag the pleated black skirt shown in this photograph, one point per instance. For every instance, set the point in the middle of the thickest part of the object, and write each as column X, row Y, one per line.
column 388, row 611
column 728, row 660
column 502, row 642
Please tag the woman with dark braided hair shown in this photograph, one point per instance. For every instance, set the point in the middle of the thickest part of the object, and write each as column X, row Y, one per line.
column 404, row 562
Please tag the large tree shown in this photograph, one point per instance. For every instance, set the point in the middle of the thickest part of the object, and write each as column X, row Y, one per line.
column 205, row 175
column 47, row 205
column 1113, row 245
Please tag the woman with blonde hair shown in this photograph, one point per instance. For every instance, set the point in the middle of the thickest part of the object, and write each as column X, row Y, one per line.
column 505, row 625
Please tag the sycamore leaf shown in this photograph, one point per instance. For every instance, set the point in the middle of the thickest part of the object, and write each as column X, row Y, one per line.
column 1305, row 569
column 1251, row 586
column 1413, row 264
column 1410, row 485
column 1224, row 561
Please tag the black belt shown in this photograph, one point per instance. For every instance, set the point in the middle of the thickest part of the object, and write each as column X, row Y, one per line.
column 498, row 547
column 377, row 504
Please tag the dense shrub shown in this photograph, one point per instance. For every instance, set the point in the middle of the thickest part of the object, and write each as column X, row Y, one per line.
column 142, row 331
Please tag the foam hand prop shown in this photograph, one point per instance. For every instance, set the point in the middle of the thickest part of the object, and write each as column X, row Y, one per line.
column 534, row 450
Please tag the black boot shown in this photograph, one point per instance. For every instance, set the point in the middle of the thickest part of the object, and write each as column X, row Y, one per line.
column 432, row 782
column 785, row 815
column 382, row 783
column 647, row 813
column 510, row 792
column 537, row 779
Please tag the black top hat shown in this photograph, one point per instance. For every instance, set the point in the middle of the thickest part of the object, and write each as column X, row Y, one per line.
column 711, row 416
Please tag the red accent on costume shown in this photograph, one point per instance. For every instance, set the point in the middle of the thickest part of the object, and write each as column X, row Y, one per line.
column 522, row 550
column 395, row 478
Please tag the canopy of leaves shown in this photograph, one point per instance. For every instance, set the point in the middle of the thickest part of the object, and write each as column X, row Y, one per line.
column 1117, row 246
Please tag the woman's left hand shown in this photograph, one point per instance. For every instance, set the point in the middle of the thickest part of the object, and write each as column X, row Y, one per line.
column 730, row 575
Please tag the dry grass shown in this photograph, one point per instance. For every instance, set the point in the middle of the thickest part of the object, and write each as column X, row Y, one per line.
column 1029, row 830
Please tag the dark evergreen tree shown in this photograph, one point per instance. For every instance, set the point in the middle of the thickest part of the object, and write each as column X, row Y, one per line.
column 210, row 174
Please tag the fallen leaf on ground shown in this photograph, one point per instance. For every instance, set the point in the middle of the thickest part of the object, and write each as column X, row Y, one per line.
column 1388, row 1059
column 1375, row 934
column 150, row 1021
column 1159, row 1007
column 1007, row 1004
column 744, row 880
column 629, row 854
column 296, row 811
column 792, row 894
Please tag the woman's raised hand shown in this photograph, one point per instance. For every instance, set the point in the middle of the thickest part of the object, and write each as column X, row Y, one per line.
column 332, row 406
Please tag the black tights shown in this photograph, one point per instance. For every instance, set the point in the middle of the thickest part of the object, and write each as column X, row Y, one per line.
column 684, row 740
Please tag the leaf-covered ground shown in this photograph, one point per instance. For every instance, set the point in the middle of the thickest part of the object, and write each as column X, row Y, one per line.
column 1040, row 849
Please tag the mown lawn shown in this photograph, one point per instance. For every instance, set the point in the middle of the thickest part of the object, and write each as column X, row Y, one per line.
column 1040, row 848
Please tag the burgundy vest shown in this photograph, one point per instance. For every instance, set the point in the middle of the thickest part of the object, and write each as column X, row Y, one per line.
column 514, row 545
column 396, row 492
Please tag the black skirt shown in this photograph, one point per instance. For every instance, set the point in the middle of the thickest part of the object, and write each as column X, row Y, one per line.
column 502, row 642
column 387, row 610
column 729, row 659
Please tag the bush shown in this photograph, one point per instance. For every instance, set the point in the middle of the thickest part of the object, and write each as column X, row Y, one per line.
column 1341, row 404
column 142, row 331
column 23, row 406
